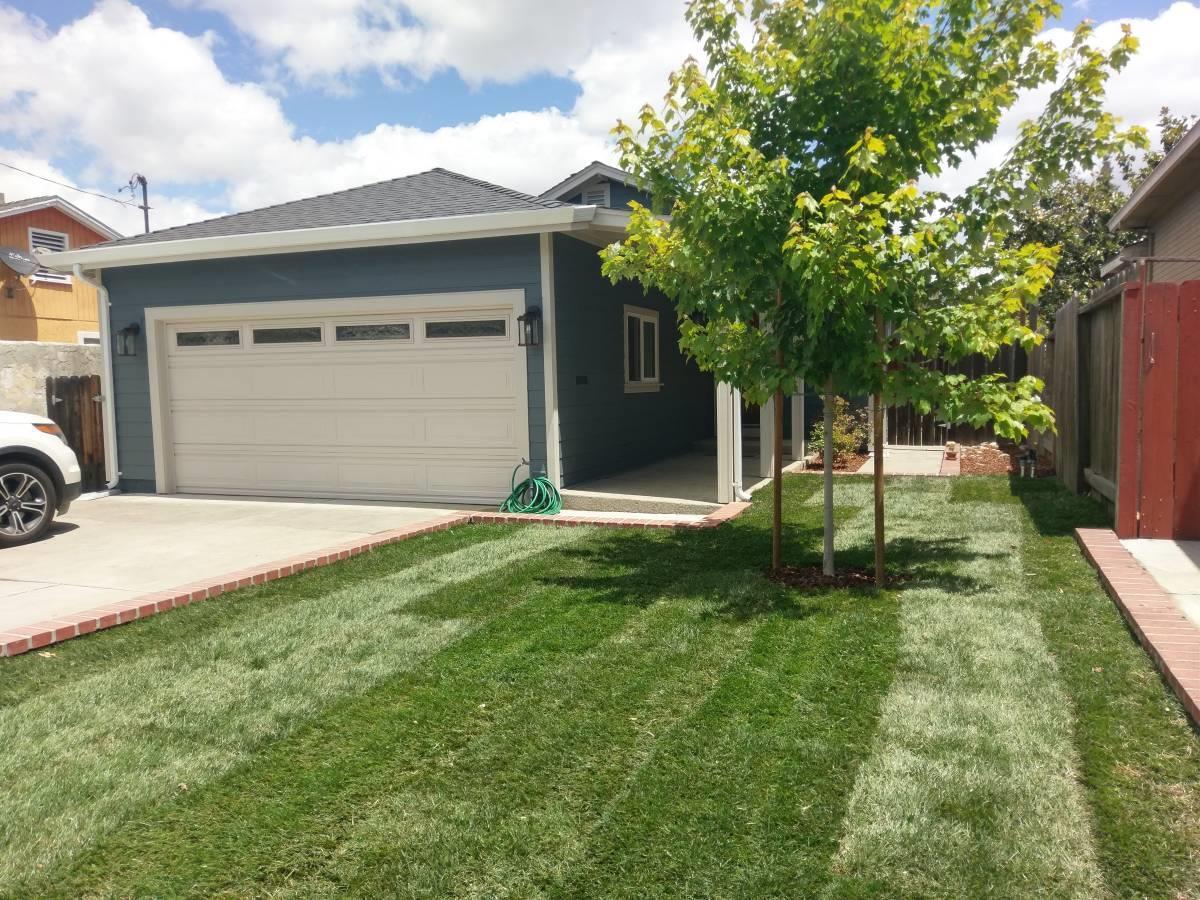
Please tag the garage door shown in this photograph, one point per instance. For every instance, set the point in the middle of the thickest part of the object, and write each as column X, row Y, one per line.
column 402, row 403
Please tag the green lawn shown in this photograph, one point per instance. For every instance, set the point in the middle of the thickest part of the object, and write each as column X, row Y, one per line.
column 576, row 712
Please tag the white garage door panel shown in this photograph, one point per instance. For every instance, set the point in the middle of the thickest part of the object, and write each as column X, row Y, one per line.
column 441, row 420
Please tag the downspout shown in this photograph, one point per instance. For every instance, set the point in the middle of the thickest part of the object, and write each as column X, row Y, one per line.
column 109, row 412
column 735, row 397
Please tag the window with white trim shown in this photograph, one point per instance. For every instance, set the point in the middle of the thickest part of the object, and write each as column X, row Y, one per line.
column 88, row 337
column 641, row 350
column 54, row 242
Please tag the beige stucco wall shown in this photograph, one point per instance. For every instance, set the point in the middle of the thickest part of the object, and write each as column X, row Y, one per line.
column 25, row 365
column 1177, row 233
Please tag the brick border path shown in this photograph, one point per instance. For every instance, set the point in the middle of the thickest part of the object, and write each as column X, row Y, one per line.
column 1169, row 637
column 19, row 639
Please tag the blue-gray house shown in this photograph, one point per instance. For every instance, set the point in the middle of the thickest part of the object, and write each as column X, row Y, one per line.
column 413, row 339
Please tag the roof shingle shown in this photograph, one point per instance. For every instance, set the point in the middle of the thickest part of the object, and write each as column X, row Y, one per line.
column 426, row 195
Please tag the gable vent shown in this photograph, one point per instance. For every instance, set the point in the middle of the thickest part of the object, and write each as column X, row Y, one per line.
column 596, row 195
column 52, row 242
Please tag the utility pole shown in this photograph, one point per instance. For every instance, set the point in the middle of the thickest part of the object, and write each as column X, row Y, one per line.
column 136, row 180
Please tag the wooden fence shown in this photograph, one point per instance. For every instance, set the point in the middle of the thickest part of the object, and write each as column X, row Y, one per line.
column 1081, row 364
column 73, row 402
column 907, row 426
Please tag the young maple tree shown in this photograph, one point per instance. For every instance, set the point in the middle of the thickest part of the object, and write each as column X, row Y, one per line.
column 852, row 102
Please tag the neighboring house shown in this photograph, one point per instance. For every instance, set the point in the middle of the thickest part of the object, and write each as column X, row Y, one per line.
column 48, row 305
column 412, row 340
column 1166, row 208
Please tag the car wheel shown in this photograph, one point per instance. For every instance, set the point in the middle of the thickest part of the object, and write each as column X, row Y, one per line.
column 27, row 503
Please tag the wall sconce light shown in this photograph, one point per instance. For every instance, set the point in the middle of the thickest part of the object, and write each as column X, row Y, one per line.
column 529, row 328
column 127, row 339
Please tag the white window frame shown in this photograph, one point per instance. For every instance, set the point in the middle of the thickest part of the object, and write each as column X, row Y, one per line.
column 604, row 186
column 642, row 315
column 82, row 338
column 49, row 276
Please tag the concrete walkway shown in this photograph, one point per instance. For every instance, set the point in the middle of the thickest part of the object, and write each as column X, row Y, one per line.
column 1175, row 565
column 906, row 461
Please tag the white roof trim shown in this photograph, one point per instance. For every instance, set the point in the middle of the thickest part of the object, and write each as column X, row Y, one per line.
column 333, row 237
column 66, row 208
column 1186, row 145
column 572, row 183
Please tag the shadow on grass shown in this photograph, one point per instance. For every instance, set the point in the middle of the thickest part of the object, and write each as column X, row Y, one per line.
column 727, row 566
column 1055, row 511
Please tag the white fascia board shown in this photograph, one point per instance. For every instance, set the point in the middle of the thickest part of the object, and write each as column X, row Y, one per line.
column 614, row 219
column 67, row 209
column 336, row 237
column 1187, row 144
column 572, row 182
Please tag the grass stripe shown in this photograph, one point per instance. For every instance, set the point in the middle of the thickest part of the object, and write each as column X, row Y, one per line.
column 268, row 818
column 972, row 788
column 1140, row 758
column 745, row 797
column 79, row 758
column 514, row 806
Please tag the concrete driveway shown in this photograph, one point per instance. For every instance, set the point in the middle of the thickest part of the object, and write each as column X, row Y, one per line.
column 120, row 547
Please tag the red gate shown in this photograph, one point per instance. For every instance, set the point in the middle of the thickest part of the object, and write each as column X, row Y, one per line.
column 1159, row 466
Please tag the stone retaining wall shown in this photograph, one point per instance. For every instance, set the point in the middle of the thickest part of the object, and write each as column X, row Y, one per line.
column 25, row 365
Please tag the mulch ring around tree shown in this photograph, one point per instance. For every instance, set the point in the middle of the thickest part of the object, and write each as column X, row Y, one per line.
column 812, row 577
column 841, row 464
column 997, row 459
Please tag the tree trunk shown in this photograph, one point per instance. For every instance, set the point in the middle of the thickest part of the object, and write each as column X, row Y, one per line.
column 827, row 456
column 877, row 416
column 777, row 463
column 777, row 485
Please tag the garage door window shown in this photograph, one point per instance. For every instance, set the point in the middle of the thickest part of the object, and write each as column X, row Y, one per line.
column 222, row 337
column 374, row 331
column 467, row 328
column 304, row 334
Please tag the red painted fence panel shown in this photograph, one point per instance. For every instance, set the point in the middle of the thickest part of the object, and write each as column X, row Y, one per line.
column 1187, row 460
column 1159, row 396
column 1130, row 424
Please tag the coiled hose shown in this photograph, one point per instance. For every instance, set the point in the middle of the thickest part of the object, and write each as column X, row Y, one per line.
column 535, row 494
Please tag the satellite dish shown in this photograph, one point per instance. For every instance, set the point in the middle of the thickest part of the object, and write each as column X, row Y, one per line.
column 19, row 261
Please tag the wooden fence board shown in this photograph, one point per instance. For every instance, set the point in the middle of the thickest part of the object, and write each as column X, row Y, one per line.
column 1064, row 400
column 73, row 405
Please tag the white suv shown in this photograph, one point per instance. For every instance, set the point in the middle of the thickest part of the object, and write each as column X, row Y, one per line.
column 39, row 476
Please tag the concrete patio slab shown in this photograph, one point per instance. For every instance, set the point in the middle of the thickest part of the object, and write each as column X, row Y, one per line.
column 906, row 461
column 1175, row 565
column 119, row 547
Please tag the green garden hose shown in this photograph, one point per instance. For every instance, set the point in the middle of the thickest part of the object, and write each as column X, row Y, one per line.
column 533, row 495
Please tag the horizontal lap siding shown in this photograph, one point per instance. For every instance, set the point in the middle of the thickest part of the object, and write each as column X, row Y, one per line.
column 490, row 264
column 603, row 429
column 1177, row 234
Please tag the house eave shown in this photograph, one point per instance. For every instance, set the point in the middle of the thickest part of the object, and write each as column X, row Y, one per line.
column 337, row 237
column 67, row 209
column 1154, row 193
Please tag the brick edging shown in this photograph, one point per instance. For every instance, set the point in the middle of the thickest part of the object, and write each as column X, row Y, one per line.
column 18, row 639
column 1170, row 639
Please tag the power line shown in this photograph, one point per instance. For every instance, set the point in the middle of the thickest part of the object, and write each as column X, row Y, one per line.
column 69, row 187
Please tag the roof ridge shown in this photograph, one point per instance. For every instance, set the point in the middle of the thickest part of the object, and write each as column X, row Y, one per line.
column 512, row 192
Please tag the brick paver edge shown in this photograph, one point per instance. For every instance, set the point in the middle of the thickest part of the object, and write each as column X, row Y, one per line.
column 18, row 639
column 1170, row 639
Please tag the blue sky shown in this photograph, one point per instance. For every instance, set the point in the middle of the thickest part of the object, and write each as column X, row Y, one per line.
column 233, row 103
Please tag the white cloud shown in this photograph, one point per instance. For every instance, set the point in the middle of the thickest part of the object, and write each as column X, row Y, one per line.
column 1164, row 72
column 126, row 96
column 501, row 40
